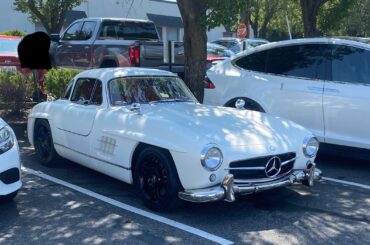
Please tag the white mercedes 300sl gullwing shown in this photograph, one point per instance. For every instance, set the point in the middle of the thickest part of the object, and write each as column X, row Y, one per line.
column 145, row 127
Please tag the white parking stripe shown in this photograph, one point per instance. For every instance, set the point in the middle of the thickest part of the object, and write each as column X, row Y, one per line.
column 132, row 209
column 367, row 187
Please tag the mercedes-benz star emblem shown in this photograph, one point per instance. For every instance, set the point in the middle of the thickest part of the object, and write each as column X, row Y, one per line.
column 273, row 167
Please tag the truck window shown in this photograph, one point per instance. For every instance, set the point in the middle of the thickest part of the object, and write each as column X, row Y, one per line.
column 128, row 30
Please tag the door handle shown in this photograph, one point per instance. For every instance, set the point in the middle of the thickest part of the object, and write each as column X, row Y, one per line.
column 69, row 46
column 313, row 88
column 86, row 47
column 332, row 90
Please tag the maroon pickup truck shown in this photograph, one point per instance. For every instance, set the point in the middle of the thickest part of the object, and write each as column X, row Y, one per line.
column 112, row 42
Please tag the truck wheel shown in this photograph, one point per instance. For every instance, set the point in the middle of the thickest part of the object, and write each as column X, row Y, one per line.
column 155, row 176
column 44, row 145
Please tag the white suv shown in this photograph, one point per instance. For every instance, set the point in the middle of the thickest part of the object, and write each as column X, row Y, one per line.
column 10, row 176
column 320, row 83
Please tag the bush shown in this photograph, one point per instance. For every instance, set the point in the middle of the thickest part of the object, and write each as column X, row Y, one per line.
column 14, row 33
column 15, row 90
column 56, row 81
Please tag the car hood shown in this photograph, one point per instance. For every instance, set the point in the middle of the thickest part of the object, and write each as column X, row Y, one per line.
column 225, row 126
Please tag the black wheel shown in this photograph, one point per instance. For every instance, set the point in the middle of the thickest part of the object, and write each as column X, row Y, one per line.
column 249, row 104
column 44, row 145
column 156, row 178
column 9, row 197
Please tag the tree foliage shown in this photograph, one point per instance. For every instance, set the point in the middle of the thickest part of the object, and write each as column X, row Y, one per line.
column 50, row 13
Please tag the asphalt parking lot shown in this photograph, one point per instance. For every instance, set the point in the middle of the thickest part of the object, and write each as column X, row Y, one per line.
column 71, row 204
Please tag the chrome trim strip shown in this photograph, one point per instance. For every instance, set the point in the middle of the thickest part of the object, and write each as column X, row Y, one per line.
column 116, row 165
column 246, row 168
column 251, row 181
column 288, row 161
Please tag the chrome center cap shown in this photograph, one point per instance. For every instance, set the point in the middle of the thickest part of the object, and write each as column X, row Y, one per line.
column 273, row 167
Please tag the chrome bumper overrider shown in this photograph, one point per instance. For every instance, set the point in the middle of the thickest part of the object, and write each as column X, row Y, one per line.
column 227, row 190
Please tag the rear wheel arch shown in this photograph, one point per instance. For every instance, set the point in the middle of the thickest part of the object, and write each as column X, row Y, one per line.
column 250, row 104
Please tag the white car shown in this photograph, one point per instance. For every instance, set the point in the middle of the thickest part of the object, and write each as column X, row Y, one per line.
column 10, row 176
column 322, row 84
column 144, row 126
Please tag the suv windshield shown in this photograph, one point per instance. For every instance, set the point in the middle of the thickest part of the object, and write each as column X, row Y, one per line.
column 128, row 90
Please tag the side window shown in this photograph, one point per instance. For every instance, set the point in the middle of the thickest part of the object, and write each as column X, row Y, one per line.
column 351, row 64
column 68, row 90
column 97, row 98
column 83, row 90
column 253, row 62
column 305, row 61
column 87, row 30
column 73, row 32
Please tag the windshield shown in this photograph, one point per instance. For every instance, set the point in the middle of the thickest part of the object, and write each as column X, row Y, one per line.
column 128, row 90
column 213, row 50
column 9, row 46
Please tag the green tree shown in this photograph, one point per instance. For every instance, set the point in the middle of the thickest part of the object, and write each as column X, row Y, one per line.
column 50, row 13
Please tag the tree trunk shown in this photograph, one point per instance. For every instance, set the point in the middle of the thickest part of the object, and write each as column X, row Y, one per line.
column 310, row 10
column 193, row 14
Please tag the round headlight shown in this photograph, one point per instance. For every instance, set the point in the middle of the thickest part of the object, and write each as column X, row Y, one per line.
column 310, row 146
column 6, row 139
column 211, row 157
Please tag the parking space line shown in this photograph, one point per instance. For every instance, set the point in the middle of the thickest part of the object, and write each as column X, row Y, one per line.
column 367, row 187
column 132, row 209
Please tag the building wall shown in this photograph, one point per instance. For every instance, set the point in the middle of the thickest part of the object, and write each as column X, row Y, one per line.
column 135, row 9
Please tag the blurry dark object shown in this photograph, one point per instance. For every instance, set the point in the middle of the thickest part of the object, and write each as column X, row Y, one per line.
column 33, row 51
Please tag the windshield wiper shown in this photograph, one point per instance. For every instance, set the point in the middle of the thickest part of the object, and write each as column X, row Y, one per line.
column 171, row 100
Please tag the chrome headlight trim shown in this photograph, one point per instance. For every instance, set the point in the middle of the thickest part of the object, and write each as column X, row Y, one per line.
column 6, row 139
column 207, row 163
column 310, row 146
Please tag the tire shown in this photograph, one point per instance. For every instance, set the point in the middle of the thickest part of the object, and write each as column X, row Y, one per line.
column 44, row 146
column 9, row 197
column 156, row 178
column 249, row 105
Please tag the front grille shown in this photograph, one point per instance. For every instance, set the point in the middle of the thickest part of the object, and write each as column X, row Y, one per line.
column 260, row 164
column 10, row 176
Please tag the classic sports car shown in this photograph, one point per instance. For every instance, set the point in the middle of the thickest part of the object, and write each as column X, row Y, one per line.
column 145, row 127
column 10, row 177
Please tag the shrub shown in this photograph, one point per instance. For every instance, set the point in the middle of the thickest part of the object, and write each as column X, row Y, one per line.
column 14, row 33
column 15, row 89
column 57, row 79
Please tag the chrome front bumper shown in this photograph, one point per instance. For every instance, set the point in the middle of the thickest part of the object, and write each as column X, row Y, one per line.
column 228, row 189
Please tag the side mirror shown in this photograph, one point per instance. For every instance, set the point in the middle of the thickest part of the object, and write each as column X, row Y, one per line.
column 54, row 37
column 239, row 104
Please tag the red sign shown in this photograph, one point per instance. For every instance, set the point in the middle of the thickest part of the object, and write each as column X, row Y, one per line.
column 242, row 31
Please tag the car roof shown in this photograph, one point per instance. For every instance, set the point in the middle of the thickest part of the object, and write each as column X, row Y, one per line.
column 115, row 19
column 106, row 74
column 317, row 40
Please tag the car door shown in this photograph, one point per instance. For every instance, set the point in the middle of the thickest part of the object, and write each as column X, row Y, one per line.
column 300, row 71
column 347, row 97
column 81, row 51
column 64, row 52
column 77, row 118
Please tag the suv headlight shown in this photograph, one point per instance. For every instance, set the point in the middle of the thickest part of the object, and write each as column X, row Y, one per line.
column 211, row 157
column 6, row 139
column 310, row 146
